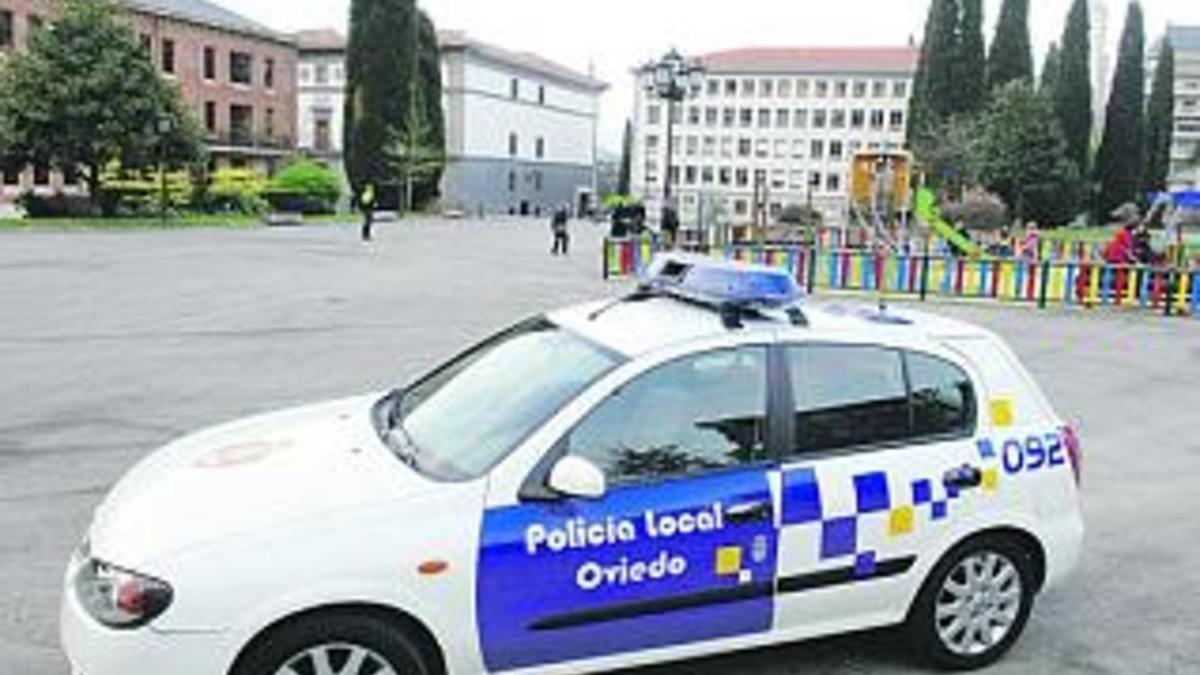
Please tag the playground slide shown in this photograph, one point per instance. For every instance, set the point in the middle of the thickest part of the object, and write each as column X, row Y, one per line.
column 927, row 212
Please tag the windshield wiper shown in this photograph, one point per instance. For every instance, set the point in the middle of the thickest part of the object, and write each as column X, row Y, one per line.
column 394, row 433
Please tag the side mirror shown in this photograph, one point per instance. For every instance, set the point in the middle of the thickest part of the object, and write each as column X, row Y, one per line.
column 575, row 476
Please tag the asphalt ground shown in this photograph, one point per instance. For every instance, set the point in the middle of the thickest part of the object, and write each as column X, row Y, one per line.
column 112, row 344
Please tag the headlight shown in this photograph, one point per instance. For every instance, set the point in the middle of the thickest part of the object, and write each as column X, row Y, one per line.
column 119, row 598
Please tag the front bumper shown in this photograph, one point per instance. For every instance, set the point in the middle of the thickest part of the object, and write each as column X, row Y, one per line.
column 94, row 649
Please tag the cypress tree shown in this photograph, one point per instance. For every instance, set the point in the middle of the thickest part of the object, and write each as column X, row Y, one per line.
column 379, row 64
column 429, row 73
column 1051, row 73
column 972, row 60
column 1160, row 121
column 624, row 179
column 1011, row 57
column 935, row 86
column 1122, row 154
column 1073, row 95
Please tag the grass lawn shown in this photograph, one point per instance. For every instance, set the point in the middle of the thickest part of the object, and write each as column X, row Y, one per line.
column 236, row 221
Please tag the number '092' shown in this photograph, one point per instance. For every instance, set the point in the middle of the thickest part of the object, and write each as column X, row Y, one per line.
column 1033, row 453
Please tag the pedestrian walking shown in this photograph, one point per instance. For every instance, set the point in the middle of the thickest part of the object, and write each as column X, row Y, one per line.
column 670, row 226
column 562, row 235
column 366, row 203
column 1031, row 243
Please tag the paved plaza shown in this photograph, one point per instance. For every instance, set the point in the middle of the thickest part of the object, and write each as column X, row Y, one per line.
column 113, row 344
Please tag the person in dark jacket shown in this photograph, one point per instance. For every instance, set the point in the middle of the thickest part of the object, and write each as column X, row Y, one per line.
column 366, row 203
column 670, row 226
column 562, row 236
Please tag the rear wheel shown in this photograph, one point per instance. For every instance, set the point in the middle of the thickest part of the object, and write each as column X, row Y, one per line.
column 974, row 606
column 335, row 644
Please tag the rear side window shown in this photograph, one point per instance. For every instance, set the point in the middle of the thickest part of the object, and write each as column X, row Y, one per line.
column 849, row 396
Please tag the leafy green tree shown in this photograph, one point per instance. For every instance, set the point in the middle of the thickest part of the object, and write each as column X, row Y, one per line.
column 947, row 152
column 1122, row 153
column 1022, row 156
column 1051, row 72
column 624, row 179
column 971, row 74
column 304, row 186
column 1160, row 121
column 935, row 85
column 381, row 57
column 417, row 153
column 1011, row 57
column 85, row 94
column 1073, row 91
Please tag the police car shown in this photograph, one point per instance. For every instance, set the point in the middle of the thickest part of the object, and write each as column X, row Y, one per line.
column 706, row 465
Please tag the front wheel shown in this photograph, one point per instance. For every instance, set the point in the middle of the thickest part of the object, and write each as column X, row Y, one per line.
column 335, row 644
column 974, row 606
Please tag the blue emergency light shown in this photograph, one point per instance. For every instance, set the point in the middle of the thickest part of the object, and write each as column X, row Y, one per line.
column 721, row 284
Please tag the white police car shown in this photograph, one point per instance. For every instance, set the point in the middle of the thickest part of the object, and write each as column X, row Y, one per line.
column 704, row 466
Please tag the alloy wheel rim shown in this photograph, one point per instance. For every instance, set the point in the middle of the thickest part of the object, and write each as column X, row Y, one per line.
column 978, row 604
column 337, row 659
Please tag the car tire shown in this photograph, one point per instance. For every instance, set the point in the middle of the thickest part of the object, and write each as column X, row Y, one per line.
column 380, row 647
column 974, row 605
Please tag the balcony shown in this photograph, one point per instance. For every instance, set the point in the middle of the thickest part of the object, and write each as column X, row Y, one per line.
column 250, row 143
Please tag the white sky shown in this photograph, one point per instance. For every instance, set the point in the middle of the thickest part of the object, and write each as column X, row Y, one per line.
column 616, row 35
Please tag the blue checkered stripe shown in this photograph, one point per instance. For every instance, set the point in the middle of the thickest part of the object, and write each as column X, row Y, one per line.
column 840, row 533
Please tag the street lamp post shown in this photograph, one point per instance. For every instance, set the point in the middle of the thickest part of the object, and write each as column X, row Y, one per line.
column 675, row 78
column 164, row 127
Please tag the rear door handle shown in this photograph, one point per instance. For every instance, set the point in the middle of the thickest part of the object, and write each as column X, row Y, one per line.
column 964, row 478
column 749, row 512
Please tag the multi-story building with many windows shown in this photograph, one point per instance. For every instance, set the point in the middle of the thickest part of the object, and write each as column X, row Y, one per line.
column 321, row 94
column 236, row 76
column 771, row 127
column 1185, row 149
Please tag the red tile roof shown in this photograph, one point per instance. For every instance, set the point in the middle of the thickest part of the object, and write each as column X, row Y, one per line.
column 786, row 60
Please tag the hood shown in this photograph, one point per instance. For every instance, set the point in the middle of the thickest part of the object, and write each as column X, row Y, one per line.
column 249, row 475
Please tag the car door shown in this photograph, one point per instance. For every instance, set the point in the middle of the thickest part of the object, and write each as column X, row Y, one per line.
column 881, row 468
column 679, row 549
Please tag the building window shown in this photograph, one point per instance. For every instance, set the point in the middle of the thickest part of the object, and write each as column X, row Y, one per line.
column 541, row 94
column 12, row 176
column 878, row 89
column 802, row 88
column 725, row 176
column 710, row 146
column 896, row 120
column 168, row 56
column 693, row 146
column 6, row 32
column 840, row 89
column 210, row 116
column 784, row 88
column 764, row 118
column 837, row 120
column 210, row 63
column 241, row 124
column 762, row 148
column 514, row 89
column 860, row 89
column 745, row 147
column 822, row 89
column 689, row 175
column 730, row 87
column 269, row 124
column 797, row 149
column 706, row 175
column 766, row 88
column 800, row 119
column 653, row 114
column 900, row 89
column 747, row 88
column 712, row 87
column 833, row 183
column 269, row 73
column 726, row 147
column 513, row 145
column 70, row 175
column 694, row 115
column 817, row 150
column 512, row 181
column 322, row 136
column 41, row 175
column 781, row 148
column 710, row 117
column 835, row 149
column 537, row 181
column 746, row 117
column 857, row 119
column 819, row 119
column 783, row 118
column 540, row 148
column 876, row 119
column 741, row 207
column 728, row 117
column 241, row 68
column 146, row 42
column 741, row 177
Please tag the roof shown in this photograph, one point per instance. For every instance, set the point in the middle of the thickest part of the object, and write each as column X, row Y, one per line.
column 205, row 13
column 320, row 40
column 1184, row 38
column 527, row 61
column 786, row 60
column 639, row 328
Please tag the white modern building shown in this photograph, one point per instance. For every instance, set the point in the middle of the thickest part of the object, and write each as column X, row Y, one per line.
column 320, row 94
column 520, row 130
column 768, row 128
column 1185, row 151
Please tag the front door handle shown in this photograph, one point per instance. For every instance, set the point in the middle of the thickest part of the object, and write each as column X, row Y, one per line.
column 965, row 477
column 749, row 512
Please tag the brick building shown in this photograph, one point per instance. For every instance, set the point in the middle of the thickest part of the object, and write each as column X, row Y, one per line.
column 237, row 77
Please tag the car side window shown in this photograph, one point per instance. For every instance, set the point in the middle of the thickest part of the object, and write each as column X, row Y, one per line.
column 943, row 399
column 696, row 414
column 847, row 396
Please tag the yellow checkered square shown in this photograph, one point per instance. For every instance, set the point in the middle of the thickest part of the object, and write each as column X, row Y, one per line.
column 729, row 561
column 991, row 480
column 1002, row 412
column 902, row 521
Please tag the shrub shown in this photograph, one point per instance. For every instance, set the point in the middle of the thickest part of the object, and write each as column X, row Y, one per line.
column 138, row 193
column 57, row 205
column 979, row 210
column 798, row 215
column 304, row 186
column 235, row 191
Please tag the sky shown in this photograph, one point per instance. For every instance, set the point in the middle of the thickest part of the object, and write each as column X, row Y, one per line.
column 616, row 35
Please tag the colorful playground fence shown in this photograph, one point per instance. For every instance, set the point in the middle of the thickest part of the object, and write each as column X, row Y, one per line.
column 1165, row 289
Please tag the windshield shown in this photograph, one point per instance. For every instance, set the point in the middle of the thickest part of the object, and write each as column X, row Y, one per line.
column 458, row 422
